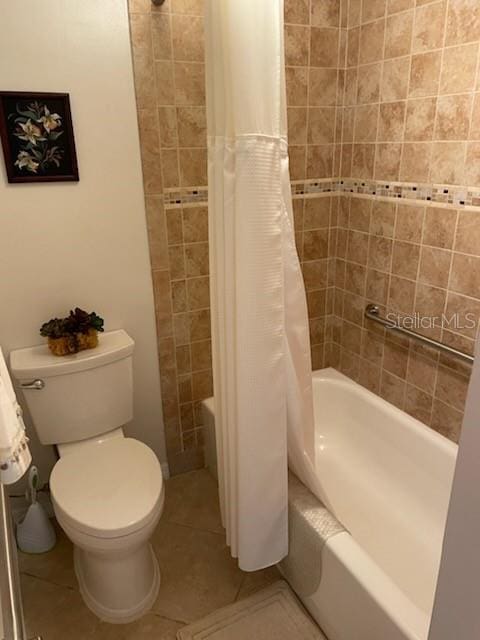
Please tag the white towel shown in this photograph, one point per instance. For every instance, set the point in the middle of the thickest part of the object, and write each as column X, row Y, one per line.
column 15, row 455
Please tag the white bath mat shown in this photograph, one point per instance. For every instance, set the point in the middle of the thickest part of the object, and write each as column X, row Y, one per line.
column 271, row 614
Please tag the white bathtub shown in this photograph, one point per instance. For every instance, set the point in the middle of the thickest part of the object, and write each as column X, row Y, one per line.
column 387, row 478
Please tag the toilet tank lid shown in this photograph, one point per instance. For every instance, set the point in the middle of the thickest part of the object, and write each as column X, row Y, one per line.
column 39, row 362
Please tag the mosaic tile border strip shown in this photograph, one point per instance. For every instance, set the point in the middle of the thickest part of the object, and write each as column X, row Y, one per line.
column 192, row 195
column 459, row 196
column 311, row 187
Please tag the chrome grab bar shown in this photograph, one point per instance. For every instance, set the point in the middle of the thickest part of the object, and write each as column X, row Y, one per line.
column 372, row 313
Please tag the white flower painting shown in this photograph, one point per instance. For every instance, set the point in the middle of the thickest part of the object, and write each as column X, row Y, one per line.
column 37, row 137
column 39, row 129
column 26, row 161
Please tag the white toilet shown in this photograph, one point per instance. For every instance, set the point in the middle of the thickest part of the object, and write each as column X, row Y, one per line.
column 107, row 490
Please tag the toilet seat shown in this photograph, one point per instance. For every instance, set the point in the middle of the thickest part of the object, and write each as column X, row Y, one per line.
column 109, row 489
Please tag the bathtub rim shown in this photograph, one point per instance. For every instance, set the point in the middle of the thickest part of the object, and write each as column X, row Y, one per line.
column 388, row 605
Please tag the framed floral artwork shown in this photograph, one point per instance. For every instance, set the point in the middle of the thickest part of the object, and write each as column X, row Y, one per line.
column 37, row 137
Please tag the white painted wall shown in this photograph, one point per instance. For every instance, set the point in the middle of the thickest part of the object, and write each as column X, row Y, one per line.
column 85, row 244
column 456, row 614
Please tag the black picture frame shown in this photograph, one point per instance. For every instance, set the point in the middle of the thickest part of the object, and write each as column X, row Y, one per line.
column 37, row 137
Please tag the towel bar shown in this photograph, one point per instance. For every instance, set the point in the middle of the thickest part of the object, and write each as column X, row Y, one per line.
column 372, row 313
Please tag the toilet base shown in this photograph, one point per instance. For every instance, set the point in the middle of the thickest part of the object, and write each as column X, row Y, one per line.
column 121, row 590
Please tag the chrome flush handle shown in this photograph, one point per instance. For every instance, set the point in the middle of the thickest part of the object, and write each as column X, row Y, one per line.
column 36, row 384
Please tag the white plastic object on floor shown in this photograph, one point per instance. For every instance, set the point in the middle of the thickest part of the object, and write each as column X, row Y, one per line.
column 35, row 533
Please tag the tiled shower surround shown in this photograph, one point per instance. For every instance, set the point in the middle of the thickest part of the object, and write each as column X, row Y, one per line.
column 410, row 114
column 409, row 259
column 383, row 112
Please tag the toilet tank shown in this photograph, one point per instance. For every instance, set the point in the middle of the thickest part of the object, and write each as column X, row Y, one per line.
column 81, row 395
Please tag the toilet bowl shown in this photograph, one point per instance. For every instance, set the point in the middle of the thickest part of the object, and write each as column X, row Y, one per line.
column 108, row 498
column 107, row 490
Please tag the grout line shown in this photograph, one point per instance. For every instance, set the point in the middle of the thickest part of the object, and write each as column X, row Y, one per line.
column 472, row 107
column 407, row 97
column 163, row 617
column 377, row 131
column 404, row 380
column 191, row 527
column 435, row 383
column 157, row 122
column 442, row 56
column 309, row 57
column 416, row 290
column 48, row 581
column 384, row 334
column 237, row 594
column 177, row 150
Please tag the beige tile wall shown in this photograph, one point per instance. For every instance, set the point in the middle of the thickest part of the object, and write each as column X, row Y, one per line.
column 168, row 56
column 410, row 113
column 412, row 107
column 315, row 41
column 316, row 242
column 314, row 46
column 408, row 259
column 383, row 89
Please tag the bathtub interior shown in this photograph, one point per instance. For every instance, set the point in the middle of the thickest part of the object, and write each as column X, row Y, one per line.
column 387, row 478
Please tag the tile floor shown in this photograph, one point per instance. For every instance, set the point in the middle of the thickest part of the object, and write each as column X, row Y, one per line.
column 198, row 574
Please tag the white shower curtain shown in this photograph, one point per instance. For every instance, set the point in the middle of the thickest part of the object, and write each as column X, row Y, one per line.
column 261, row 350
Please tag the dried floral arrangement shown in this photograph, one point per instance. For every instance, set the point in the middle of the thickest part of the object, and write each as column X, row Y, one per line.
column 78, row 331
